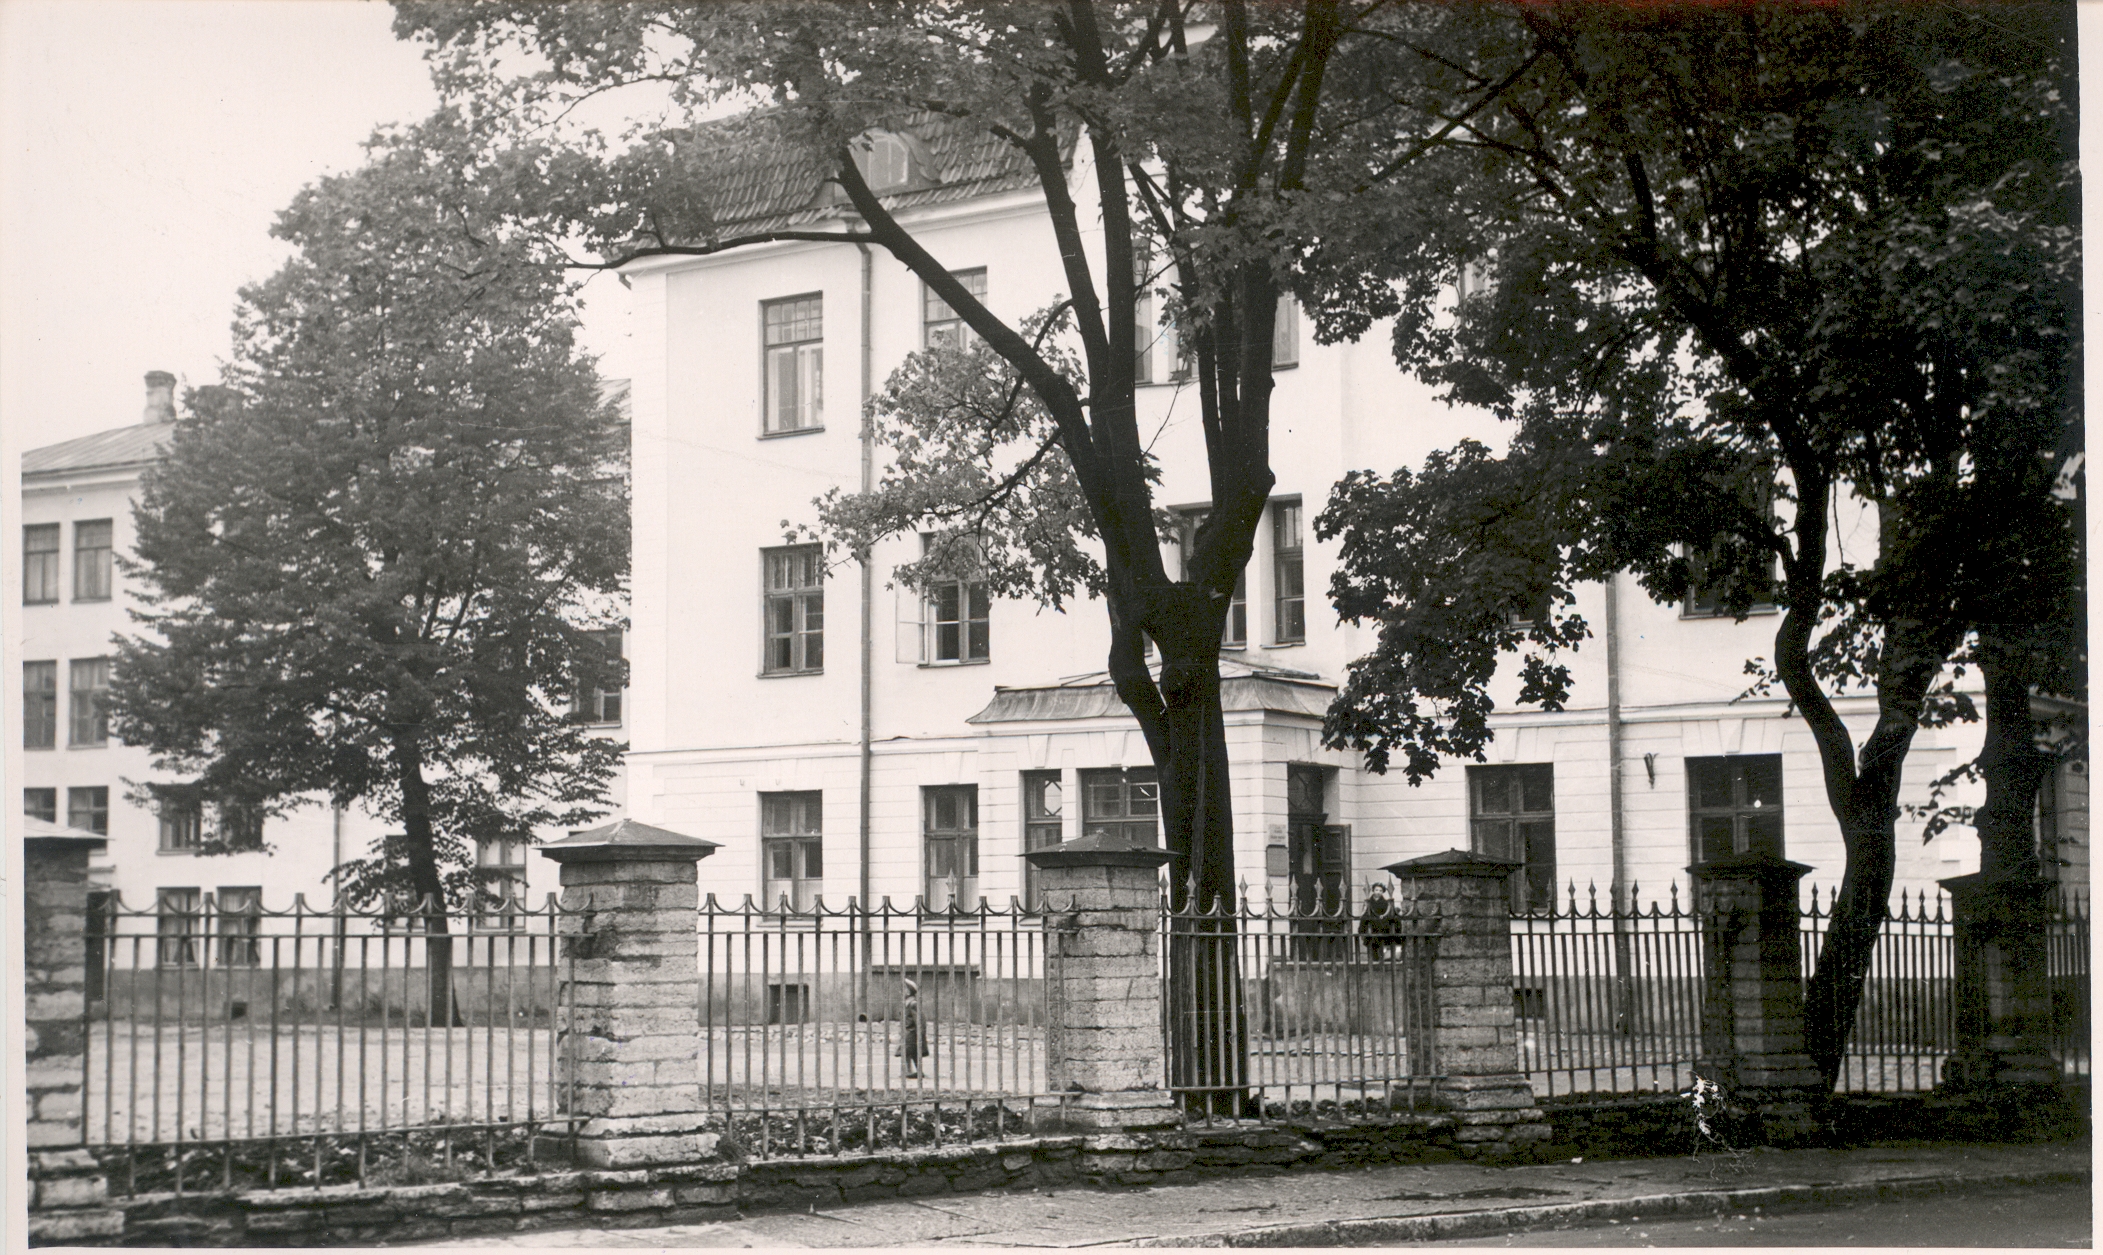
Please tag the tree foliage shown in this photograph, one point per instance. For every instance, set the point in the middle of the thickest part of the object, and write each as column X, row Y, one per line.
column 1736, row 266
column 374, row 550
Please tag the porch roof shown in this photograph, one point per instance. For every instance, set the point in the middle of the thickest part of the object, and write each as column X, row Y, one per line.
column 1244, row 686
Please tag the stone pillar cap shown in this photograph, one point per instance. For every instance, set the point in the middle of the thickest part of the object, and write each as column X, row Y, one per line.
column 1453, row 863
column 1099, row 849
column 626, row 840
column 1749, row 863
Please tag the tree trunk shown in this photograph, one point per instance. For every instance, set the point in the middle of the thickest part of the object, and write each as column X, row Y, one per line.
column 2012, row 762
column 424, row 881
column 1866, row 801
column 1208, row 1026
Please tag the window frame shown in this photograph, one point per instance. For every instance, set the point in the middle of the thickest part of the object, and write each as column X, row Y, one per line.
column 963, row 838
column 974, row 281
column 41, row 567
column 801, row 599
column 500, row 884
column 1288, row 558
column 40, row 705
column 49, row 814
column 590, row 703
column 237, row 931
column 1043, row 827
column 238, row 826
column 97, row 797
column 970, row 626
column 94, row 563
column 792, row 821
column 1124, row 820
column 179, row 819
column 1532, row 886
column 88, row 707
column 865, row 150
column 1738, row 811
column 808, row 370
column 188, row 925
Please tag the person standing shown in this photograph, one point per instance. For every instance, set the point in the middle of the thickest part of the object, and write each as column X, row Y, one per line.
column 912, row 1041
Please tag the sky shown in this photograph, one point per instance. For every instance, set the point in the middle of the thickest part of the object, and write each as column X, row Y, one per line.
column 146, row 147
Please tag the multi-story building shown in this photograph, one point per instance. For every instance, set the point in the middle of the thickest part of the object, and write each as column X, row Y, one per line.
column 842, row 736
column 76, row 511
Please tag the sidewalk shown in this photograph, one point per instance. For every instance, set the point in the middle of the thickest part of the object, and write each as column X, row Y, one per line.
column 1374, row 1206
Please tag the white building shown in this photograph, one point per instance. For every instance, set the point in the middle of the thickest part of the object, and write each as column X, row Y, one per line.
column 842, row 737
column 76, row 512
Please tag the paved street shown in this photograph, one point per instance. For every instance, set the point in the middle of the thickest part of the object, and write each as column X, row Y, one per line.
column 2032, row 1196
column 2039, row 1218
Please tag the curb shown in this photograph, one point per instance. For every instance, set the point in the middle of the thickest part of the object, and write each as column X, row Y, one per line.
column 1390, row 1230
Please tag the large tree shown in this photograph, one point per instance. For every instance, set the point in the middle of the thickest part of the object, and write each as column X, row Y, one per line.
column 1734, row 266
column 375, row 551
column 1174, row 145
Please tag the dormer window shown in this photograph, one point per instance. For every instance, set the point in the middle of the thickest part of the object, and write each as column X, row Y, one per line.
column 885, row 161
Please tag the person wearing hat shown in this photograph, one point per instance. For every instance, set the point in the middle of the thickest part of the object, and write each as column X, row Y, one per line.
column 912, row 1044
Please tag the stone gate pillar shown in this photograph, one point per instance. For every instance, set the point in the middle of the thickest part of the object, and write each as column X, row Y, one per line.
column 1475, row 1035
column 629, row 1031
column 69, row 1195
column 1752, row 1009
column 1104, row 1042
column 2003, row 994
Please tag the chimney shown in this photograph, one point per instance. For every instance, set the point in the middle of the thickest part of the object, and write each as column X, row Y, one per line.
column 160, row 398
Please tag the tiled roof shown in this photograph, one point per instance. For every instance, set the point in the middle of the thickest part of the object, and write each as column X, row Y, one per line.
column 120, row 446
column 781, row 185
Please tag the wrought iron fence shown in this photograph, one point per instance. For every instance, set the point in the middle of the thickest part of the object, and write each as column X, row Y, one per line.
column 1298, row 1011
column 2066, row 965
column 1607, row 1001
column 827, row 1031
column 232, row 1046
column 1907, row 1023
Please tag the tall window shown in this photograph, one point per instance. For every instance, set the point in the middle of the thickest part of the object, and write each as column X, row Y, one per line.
column 1735, row 805
column 1043, row 811
column 40, row 564
column 1287, row 579
column 500, row 882
column 1236, row 633
column 239, row 925
column 91, row 560
column 179, row 918
column 41, row 804
column 39, row 705
column 89, row 808
column 791, row 848
column 958, row 614
column 1512, row 816
column 1124, row 804
column 1285, row 334
column 940, row 327
column 181, row 819
column 795, row 609
column 600, row 679
column 240, row 825
column 1144, row 329
column 950, row 824
column 795, row 363
column 90, row 702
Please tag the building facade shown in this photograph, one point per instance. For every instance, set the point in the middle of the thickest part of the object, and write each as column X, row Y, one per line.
column 76, row 512
column 844, row 737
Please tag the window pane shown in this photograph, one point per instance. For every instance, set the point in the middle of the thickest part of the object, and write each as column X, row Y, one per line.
column 40, row 563
column 1537, row 787
column 91, row 560
column 1041, row 795
column 89, row 808
column 90, row 682
column 41, row 804
column 813, row 859
column 1715, row 836
column 1709, row 781
column 1763, row 779
column 39, row 705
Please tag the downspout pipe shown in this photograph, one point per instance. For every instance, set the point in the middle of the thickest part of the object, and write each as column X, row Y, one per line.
column 1617, row 826
column 868, row 704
